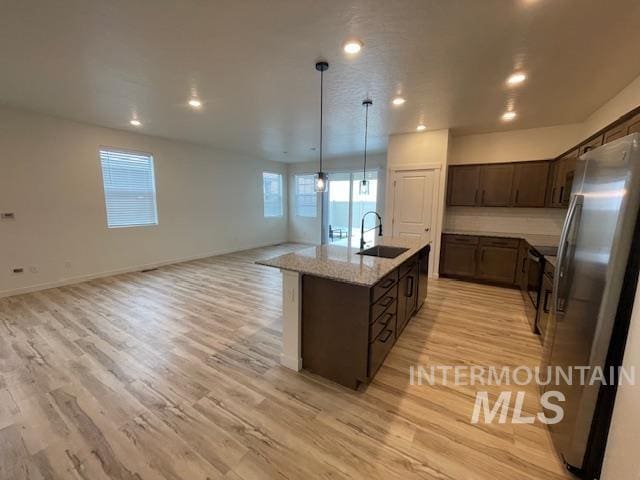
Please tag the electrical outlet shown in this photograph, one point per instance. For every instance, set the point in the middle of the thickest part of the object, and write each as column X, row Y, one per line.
column 17, row 270
column 34, row 269
column 67, row 265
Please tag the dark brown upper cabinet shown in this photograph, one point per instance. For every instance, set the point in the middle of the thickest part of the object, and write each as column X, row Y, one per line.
column 615, row 132
column 561, row 179
column 633, row 125
column 529, row 184
column 464, row 183
column 591, row 144
column 495, row 185
column 519, row 184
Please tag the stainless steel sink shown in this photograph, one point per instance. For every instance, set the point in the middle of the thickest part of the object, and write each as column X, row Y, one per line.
column 384, row 251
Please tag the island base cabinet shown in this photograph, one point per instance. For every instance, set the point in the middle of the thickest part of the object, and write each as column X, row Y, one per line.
column 335, row 329
column 347, row 330
column 380, row 347
column 407, row 298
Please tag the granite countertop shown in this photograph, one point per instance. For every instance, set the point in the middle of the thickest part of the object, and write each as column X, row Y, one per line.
column 552, row 259
column 340, row 261
column 533, row 239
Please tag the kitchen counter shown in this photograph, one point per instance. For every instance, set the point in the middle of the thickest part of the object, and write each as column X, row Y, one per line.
column 552, row 259
column 341, row 261
column 533, row 239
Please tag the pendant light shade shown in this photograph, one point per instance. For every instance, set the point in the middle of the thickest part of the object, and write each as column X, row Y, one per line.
column 364, row 183
column 321, row 177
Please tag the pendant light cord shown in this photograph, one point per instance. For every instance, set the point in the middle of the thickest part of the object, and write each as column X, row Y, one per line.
column 366, row 128
column 321, row 98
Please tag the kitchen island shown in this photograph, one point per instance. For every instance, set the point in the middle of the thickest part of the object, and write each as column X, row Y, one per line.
column 344, row 310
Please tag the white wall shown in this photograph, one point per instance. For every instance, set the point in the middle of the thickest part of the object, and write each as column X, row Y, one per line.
column 624, row 101
column 308, row 229
column 621, row 459
column 209, row 202
column 420, row 150
column 515, row 145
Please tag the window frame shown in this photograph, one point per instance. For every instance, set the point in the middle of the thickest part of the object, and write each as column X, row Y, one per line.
column 297, row 195
column 264, row 194
column 116, row 150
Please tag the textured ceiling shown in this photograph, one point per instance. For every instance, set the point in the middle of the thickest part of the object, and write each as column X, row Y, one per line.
column 252, row 62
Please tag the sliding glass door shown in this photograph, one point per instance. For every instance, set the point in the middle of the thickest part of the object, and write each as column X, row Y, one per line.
column 345, row 206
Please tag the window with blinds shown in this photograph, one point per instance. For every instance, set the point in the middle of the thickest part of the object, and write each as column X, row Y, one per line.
column 305, row 196
column 129, row 188
column 272, row 192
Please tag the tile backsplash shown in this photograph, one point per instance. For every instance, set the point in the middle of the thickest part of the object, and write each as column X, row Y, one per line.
column 542, row 221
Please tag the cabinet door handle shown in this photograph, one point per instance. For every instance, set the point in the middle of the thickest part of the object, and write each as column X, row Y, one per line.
column 482, row 255
column 524, row 260
column 545, row 305
column 553, row 195
column 517, row 195
column 475, row 197
column 482, row 201
column 384, row 340
column 560, row 196
column 388, row 316
column 386, row 301
column 409, row 287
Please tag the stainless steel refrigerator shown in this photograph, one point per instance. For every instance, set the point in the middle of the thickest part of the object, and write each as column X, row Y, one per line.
column 594, row 277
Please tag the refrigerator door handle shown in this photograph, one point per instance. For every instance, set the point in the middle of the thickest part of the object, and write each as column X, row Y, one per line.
column 576, row 200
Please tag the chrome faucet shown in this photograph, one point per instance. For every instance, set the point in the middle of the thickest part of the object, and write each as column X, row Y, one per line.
column 362, row 232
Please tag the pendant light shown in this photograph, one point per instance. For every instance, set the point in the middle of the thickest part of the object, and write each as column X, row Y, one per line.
column 364, row 184
column 321, row 177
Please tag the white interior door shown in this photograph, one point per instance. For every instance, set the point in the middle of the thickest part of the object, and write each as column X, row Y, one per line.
column 413, row 205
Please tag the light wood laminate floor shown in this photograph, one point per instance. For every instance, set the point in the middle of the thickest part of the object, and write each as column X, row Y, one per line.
column 174, row 374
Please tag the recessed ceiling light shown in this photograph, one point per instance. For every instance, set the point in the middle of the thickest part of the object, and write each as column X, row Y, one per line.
column 421, row 128
column 516, row 79
column 135, row 122
column 398, row 101
column 195, row 103
column 508, row 116
column 352, row 47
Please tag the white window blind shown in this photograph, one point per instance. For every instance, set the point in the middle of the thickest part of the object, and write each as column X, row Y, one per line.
column 306, row 196
column 129, row 188
column 272, row 191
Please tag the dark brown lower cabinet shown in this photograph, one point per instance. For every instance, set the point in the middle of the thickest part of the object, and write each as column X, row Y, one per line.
column 497, row 264
column 407, row 298
column 459, row 256
column 487, row 259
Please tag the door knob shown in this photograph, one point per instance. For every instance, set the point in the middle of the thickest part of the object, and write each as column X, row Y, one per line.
column 427, row 229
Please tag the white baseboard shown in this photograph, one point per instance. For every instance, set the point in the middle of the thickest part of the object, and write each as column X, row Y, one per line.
column 291, row 362
column 109, row 273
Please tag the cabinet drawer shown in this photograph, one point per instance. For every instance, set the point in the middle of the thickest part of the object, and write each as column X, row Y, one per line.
column 379, row 348
column 384, row 321
column 407, row 266
column 385, row 303
column 500, row 242
column 383, row 285
column 461, row 239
